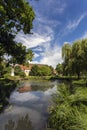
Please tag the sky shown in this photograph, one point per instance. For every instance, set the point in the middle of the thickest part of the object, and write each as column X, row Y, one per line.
column 56, row 22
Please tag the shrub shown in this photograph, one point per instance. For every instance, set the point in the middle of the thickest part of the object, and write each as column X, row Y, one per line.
column 69, row 111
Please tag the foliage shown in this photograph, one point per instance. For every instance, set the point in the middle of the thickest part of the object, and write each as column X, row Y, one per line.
column 28, row 57
column 74, row 57
column 59, row 69
column 69, row 111
column 18, row 14
column 44, row 71
column 15, row 16
column 19, row 72
column 2, row 67
column 34, row 70
column 40, row 70
column 80, row 82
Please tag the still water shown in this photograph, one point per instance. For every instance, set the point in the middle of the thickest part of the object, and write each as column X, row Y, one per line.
column 35, row 103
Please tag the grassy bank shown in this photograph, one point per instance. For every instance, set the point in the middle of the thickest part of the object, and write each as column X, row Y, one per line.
column 69, row 109
column 36, row 78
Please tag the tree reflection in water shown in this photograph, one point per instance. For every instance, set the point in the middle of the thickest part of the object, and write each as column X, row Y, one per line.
column 23, row 123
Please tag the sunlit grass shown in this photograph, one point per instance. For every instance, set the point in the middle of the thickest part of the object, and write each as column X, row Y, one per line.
column 70, row 110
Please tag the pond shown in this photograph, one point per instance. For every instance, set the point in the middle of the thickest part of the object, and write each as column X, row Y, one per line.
column 34, row 103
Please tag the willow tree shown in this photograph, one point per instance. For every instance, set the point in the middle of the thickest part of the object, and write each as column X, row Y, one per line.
column 66, row 51
column 84, row 48
column 66, row 55
column 77, row 55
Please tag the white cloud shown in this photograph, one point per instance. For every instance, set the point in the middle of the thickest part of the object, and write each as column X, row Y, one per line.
column 32, row 40
column 51, row 55
column 70, row 26
column 38, row 49
column 61, row 8
column 16, row 96
column 56, row 7
column 32, row 96
column 84, row 35
column 36, row 55
column 75, row 23
column 46, row 21
column 42, row 37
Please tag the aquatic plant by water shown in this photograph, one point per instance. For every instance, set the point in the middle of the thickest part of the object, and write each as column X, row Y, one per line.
column 69, row 111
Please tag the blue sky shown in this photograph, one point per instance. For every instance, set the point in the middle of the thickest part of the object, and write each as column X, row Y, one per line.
column 56, row 22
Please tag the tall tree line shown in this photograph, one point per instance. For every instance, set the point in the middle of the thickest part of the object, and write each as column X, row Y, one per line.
column 74, row 58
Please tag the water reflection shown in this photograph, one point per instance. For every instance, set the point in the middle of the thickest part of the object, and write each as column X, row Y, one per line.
column 23, row 123
column 34, row 103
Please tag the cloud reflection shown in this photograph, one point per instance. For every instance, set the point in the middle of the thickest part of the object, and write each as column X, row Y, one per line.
column 31, row 96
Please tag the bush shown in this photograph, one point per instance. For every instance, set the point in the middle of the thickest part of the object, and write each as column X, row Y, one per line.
column 40, row 71
column 19, row 72
column 69, row 111
column 81, row 82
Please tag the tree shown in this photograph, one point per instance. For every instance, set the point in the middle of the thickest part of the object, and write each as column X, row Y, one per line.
column 66, row 51
column 66, row 55
column 34, row 70
column 22, row 56
column 15, row 16
column 40, row 70
column 59, row 68
column 19, row 72
column 84, row 48
column 75, row 57
column 29, row 56
column 45, row 71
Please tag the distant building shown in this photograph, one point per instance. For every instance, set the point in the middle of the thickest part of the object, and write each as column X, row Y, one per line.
column 25, row 69
column 28, row 69
column 12, row 72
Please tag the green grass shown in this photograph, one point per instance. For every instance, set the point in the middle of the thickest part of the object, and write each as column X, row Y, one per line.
column 81, row 82
column 69, row 111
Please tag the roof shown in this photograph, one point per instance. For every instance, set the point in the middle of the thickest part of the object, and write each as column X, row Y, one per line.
column 30, row 66
column 23, row 67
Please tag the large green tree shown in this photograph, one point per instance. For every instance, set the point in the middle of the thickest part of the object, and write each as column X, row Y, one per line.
column 66, row 55
column 59, row 69
column 29, row 56
column 40, row 70
column 34, row 70
column 14, row 16
column 75, row 57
